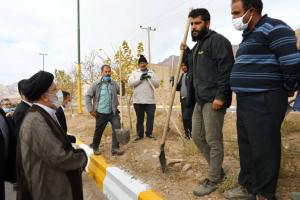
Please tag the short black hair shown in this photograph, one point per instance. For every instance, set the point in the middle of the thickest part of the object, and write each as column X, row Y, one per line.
column 200, row 12
column 4, row 99
column 247, row 4
column 65, row 94
column 103, row 66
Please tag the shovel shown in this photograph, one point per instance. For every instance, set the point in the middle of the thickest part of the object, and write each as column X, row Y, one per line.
column 123, row 135
column 165, row 108
column 162, row 156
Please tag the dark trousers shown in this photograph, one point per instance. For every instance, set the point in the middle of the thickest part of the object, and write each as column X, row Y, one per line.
column 187, row 113
column 140, row 110
column 259, row 118
column 101, row 122
column 2, row 167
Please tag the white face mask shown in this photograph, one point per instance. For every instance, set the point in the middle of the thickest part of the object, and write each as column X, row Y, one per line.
column 58, row 99
column 238, row 23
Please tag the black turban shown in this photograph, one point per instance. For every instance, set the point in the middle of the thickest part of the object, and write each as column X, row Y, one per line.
column 35, row 86
column 20, row 85
column 142, row 59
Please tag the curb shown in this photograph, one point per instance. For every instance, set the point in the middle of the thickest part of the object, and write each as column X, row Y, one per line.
column 115, row 183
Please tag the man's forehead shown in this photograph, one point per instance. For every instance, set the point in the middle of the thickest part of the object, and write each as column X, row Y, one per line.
column 198, row 18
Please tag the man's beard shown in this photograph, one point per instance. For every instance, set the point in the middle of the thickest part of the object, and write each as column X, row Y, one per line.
column 200, row 34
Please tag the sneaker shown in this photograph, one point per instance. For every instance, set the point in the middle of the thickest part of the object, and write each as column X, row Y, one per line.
column 205, row 188
column 239, row 193
column 117, row 152
column 295, row 195
column 97, row 151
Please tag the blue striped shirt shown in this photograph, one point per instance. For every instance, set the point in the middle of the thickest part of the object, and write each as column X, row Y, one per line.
column 267, row 58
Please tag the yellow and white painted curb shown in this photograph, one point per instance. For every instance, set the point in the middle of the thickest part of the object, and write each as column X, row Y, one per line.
column 115, row 183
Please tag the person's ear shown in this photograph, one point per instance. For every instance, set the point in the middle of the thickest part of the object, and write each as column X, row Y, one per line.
column 207, row 24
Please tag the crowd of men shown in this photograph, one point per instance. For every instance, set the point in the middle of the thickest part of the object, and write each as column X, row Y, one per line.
column 37, row 154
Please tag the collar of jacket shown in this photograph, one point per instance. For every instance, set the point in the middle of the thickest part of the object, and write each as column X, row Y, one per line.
column 208, row 34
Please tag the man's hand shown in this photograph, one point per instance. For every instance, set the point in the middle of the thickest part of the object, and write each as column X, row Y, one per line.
column 183, row 46
column 9, row 114
column 144, row 76
column 217, row 104
column 93, row 113
column 291, row 94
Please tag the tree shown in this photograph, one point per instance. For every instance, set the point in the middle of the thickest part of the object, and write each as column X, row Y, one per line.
column 63, row 80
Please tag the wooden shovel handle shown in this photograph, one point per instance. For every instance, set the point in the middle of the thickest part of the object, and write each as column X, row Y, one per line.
column 163, row 140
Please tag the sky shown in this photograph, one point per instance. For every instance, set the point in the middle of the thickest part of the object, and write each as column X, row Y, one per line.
column 31, row 27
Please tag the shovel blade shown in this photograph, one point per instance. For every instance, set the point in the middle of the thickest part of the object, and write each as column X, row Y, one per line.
column 123, row 136
column 162, row 160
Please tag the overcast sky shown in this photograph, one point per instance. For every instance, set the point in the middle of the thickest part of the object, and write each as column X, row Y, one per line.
column 49, row 26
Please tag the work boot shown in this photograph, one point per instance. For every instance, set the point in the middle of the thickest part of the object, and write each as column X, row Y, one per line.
column 295, row 195
column 223, row 177
column 205, row 188
column 239, row 193
column 97, row 151
column 117, row 152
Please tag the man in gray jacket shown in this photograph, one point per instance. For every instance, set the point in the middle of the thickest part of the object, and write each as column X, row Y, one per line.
column 102, row 103
column 143, row 97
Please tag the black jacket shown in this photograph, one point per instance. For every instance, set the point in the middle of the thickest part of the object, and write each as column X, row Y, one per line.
column 60, row 114
column 189, row 101
column 211, row 61
column 10, row 166
column 19, row 115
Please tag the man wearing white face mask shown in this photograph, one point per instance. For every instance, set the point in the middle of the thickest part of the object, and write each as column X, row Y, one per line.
column 43, row 148
column 263, row 77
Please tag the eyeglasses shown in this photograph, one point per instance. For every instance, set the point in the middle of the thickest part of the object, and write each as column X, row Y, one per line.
column 196, row 23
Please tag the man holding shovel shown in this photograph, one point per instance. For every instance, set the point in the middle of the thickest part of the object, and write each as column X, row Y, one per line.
column 102, row 102
column 143, row 97
column 211, row 60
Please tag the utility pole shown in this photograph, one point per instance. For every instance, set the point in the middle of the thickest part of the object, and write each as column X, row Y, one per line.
column 148, row 29
column 43, row 55
column 78, row 61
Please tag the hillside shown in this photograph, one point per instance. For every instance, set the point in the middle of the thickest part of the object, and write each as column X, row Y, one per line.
column 9, row 91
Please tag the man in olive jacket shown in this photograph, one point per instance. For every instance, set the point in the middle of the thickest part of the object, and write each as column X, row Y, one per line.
column 211, row 60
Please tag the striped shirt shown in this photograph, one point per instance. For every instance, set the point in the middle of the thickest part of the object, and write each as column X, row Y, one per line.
column 267, row 59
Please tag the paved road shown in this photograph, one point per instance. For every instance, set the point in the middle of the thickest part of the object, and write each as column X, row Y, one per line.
column 90, row 190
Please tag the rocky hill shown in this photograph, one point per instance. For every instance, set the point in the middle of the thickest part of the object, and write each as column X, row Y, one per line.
column 9, row 91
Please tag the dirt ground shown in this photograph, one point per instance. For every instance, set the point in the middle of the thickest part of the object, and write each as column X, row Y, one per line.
column 141, row 158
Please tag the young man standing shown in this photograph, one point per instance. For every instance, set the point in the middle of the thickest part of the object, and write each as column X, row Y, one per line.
column 211, row 60
column 102, row 103
column 263, row 77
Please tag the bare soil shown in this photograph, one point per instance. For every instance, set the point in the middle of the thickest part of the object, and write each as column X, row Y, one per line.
column 141, row 158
